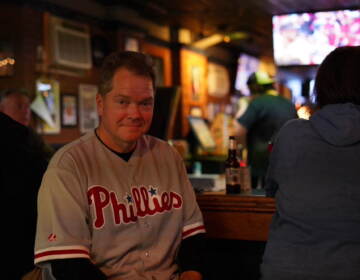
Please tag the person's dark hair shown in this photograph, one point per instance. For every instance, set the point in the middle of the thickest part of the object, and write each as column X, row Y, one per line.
column 268, row 87
column 9, row 91
column 135, row 62
column 338, row 79
column 257, row 86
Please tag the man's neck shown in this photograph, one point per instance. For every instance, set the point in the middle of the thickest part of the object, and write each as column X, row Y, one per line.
column 124, row 147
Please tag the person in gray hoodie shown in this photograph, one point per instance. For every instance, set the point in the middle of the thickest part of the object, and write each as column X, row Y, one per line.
column 314, row 175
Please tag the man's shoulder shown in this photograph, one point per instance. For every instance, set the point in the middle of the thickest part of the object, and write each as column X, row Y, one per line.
column 264, row 98
column 294, row 125
column 76, row 147
column 268, row 103
column 153, row 142
column 13, row 130
column 262, row 101
column 157, row 145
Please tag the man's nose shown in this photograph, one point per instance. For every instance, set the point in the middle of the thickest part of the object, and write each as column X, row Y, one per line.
column 134, row 110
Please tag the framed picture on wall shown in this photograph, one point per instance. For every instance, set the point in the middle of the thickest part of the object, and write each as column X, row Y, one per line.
column 218, row 80
column 87, row 107
column 131, row 44
column 159, row 70
column 46, row 105
column 69, row 110
column 195, row 83
column 162, row 62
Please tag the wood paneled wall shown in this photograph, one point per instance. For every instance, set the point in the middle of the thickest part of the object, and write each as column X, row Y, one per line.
column 194, row 85
column 23, row 26
column 27, row 27
column 165, row 54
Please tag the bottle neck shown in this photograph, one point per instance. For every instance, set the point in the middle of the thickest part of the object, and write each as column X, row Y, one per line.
column 232, row 153
column 232, row 148
column 232, row 144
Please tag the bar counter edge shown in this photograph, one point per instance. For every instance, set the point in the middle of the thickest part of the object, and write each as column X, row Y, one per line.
column 239, row 217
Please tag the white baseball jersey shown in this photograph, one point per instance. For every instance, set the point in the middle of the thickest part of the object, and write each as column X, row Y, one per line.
column 127, row 217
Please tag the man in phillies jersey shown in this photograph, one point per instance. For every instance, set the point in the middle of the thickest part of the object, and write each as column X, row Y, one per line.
column 116, row 203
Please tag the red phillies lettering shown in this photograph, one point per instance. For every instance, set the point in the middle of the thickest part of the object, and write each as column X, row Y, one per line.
column 176, row 200
column 137, row 198
column 142, row 202
column 98, row 196
column 165, row 201
column 122, row 208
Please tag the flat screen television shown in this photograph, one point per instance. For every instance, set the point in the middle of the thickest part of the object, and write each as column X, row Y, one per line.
column 306, row 38
column 246, row 65
column 202, row 133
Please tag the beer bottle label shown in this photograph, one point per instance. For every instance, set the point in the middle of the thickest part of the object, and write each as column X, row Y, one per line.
column 232, row 176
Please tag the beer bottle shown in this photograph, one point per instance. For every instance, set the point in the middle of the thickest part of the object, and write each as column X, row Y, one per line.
column 245, row 178
column 232, row 168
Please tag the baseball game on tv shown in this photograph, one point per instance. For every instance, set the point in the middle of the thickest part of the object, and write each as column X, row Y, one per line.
column 306, row 38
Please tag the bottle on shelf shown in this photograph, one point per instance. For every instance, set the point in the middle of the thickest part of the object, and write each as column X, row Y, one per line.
column 232, row 169
column 245, row 178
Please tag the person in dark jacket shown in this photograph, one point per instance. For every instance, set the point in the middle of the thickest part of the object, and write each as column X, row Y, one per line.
column 22, row 165
column 266, row 113
column 315, row 179
column 15, row 103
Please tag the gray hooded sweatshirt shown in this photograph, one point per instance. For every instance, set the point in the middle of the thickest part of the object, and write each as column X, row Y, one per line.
column 314, row 174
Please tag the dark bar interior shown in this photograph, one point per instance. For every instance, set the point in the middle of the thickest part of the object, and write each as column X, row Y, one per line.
column 203, row 53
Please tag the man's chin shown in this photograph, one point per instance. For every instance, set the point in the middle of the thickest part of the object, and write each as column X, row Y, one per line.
column 131, row 133
column 133, row 136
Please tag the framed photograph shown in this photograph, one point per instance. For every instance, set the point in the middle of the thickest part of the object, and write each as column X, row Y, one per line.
column 87, row 107
column 161, row 57
column 195, row 83
column 69, row 110
column 218, row 80
column 202, row 133
column 46, row 105
column 159, row 70
column 132, row 44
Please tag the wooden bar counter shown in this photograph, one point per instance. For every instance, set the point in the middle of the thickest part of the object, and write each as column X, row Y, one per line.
column 239, row 217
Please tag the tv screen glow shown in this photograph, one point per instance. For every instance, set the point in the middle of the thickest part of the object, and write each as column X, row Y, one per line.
column 305, row 39
column 246, row 65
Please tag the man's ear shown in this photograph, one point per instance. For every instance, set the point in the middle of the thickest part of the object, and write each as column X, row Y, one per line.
column 100, row 104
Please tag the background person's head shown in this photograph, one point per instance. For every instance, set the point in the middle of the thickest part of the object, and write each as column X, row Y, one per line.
column 126, row 99
column 260, row 82
column 338, row 78
column 16, row 104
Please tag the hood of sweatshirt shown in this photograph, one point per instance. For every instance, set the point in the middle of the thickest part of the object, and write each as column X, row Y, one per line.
column 338, row 124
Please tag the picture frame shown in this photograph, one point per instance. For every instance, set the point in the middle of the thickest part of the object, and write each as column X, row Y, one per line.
column 158, row 69
column 195, row 83
column 162, row 63
column 69, row 110
column 46, row 106
column 88, row 117
column 132, row 44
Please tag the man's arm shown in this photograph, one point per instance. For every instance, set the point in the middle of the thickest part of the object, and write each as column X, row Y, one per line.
column 191, row 257
column 240, row 131
column 76, row 269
